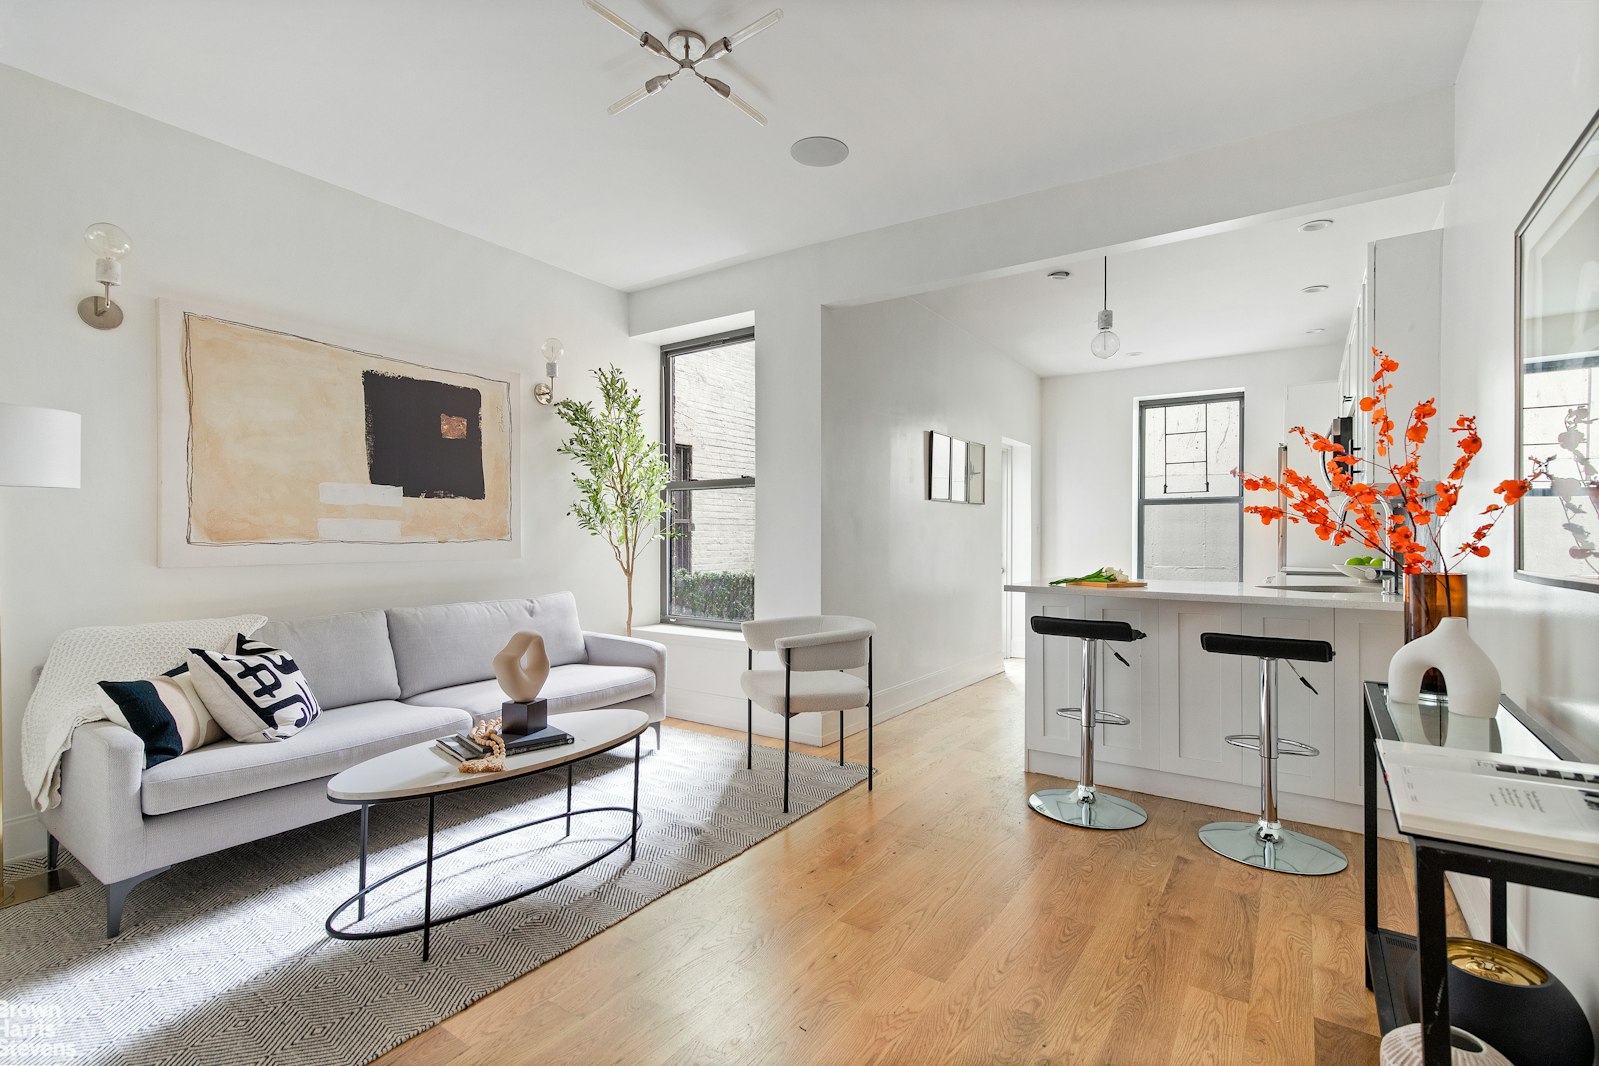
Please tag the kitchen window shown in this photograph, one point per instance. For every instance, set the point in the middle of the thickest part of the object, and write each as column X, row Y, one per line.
column 1190, row 503
column 708, row 565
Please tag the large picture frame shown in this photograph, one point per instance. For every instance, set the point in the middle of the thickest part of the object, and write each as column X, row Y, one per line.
column 282, row 441
column 1557, row 373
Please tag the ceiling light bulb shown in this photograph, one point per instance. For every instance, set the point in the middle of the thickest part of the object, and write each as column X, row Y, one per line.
column 107, row 241
column 765, row 22
column 1105, row 344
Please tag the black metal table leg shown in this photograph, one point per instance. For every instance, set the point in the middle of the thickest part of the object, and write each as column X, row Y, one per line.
column 1431, row 933
column 1369, row 774
column 569, row 795
column 1498, row 924
column 841, row 738
column 870, row 690
column 427, row 892
column 632, row 848
column 360, row 910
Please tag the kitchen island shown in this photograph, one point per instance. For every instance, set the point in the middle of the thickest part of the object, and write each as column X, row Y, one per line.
column 1183, row 700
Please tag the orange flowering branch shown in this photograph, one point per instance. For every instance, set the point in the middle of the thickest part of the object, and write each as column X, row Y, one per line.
column 1382, row 501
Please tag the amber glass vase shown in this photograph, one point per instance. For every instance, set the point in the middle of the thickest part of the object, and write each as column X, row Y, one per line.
column 1429, row 599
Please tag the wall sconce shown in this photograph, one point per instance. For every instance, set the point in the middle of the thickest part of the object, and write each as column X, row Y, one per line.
column 544, row 391
column 109, row 245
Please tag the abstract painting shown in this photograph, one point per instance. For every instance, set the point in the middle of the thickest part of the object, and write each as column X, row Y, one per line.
column 282, row 443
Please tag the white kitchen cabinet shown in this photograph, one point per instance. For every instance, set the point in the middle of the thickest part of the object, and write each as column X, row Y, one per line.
column 1203, row 694
column 1183, row 700
column 1398, row 313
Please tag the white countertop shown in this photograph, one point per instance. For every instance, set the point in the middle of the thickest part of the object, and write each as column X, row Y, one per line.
column 1223, row 592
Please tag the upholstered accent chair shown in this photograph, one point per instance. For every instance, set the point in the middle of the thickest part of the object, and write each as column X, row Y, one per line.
column 816, row 652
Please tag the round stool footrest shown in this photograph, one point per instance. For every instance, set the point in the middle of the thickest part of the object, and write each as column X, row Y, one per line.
column 1284, row 747
column 1100, row 717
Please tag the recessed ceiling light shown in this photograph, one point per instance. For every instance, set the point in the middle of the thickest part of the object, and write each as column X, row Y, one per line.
column 1059, row 274
column 1318, row 329
column 819, row 151
column 1131, row 354
column 1315, row 224
column 1311, row 290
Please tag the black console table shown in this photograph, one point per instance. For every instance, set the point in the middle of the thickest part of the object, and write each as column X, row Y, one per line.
column 1388, row 954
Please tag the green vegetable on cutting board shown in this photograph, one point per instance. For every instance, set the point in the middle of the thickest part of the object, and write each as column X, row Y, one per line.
column 1105, row 575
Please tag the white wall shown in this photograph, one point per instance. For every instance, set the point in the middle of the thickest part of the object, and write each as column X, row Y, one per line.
column 927, row 573
column 210, row 221
column 1091, row 451
column 1384, row 151
column 1527, row 86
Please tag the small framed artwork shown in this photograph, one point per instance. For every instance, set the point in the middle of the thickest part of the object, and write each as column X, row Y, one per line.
column 937, row 466
column 957, row 470
column 1557, row 374
column 976, row 474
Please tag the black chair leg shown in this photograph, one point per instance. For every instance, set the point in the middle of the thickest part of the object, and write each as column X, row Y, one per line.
column 53, row 853
column 786, row 720
column 749, row 735
column 869, row 771
column 841, row 738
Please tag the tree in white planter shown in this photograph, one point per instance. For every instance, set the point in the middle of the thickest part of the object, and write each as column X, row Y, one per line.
column 622, row 482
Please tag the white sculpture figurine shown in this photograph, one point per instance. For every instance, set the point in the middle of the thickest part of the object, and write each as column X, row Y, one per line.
column 522, row 667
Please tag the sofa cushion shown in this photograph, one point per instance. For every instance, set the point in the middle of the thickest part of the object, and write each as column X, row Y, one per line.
column 453, row 643
column 346, row 658
column 340, row 739
column 577, row 687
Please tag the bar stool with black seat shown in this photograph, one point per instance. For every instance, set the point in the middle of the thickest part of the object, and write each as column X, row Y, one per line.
column 1264, row 843
column 1085, row 805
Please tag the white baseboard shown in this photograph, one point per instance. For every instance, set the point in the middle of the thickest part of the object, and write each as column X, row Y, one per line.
column 25, row 836
column 1313, row 810
column 711, row 708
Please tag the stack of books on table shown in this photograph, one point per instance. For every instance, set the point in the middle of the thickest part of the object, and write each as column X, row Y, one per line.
column 460, row 747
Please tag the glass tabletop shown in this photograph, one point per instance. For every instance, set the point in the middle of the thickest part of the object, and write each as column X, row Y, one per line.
column 1506, row 733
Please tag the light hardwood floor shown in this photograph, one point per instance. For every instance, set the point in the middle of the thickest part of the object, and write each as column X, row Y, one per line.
column 937, row 920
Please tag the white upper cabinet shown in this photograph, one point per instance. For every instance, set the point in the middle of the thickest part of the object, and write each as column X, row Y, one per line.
column 1397, row 313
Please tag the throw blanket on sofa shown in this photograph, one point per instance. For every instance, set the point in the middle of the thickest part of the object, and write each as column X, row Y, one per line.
column 68, row 692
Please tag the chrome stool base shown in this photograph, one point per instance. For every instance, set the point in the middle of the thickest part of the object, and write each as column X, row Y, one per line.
column 1087, row 809
column 1282, row 850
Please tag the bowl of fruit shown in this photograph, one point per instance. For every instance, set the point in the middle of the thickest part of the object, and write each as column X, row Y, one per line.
column 1362, row 567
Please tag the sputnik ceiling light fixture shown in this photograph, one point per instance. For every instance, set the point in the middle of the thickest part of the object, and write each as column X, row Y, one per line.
column 688, row 50
column 1105, row 343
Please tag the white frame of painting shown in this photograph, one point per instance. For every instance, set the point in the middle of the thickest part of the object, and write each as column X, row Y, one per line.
column 173, row 546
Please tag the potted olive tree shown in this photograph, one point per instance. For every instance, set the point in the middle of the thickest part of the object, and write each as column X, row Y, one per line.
column 621, row 481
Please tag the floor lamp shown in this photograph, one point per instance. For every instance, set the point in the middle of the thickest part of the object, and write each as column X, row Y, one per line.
column 39, row 448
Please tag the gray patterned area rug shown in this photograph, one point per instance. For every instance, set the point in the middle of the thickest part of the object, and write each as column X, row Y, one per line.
column 224, row 959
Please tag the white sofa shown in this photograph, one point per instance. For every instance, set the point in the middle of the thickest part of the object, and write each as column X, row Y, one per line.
column 385, row 679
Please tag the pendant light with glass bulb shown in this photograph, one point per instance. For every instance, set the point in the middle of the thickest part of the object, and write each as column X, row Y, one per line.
column 1105, row 343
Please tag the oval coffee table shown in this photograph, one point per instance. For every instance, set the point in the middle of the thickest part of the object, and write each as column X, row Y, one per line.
column 416, row 772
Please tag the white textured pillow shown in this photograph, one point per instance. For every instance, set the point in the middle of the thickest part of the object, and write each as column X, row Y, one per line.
column 257, row 694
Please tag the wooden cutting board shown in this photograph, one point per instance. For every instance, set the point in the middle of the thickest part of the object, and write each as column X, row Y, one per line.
column 1111, row 584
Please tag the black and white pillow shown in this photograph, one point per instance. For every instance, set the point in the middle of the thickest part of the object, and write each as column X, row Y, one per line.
column 165, row 712
column 257, row 694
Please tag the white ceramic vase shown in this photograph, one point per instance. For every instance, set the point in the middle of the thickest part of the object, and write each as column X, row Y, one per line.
column 1469, row 675
column 1402, row 1047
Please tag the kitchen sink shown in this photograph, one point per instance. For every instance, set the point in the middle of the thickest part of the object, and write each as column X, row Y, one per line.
column 1364, row 589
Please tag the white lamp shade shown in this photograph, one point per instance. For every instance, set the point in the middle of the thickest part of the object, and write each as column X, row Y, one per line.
column 40, row 447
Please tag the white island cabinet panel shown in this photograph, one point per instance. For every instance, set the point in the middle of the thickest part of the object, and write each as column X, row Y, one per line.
column 1301, row 715
column 1133, row 690
column 1202, row 693
column 1183, row 700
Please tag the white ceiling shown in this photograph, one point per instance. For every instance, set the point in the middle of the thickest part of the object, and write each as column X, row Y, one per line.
column 1223, row 294
column 489, row 115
